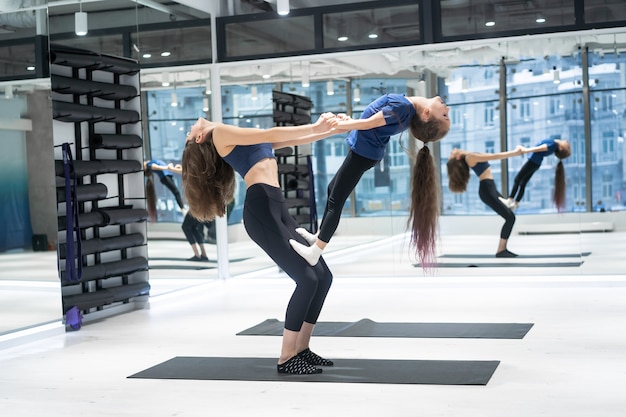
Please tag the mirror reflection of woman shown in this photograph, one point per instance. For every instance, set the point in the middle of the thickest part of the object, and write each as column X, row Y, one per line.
column 459, row 164
column 213, row 152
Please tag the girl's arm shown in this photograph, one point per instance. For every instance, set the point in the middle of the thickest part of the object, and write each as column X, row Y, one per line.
column 156, row 167
column 376, row 120
column 226, row 137
column 177, row 169
column 473, row 158
column 540, row 148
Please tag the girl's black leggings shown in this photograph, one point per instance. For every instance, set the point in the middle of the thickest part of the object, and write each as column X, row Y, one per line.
column 269, row 224
column 489, row 195
column 168, row 181
column 521, row 179
column 339, row 189
column 193, row 229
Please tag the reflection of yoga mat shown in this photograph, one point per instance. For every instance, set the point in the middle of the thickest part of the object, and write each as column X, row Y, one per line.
column 199, row 266
column 369, row 328
column 486, row 256
column 469, row 264
column 376, row 371
column 152, row 258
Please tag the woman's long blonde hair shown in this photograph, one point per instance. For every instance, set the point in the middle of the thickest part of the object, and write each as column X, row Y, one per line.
column 208, row 181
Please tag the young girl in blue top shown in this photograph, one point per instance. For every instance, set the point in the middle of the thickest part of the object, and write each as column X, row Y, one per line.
column 459, row 164
column 212, row 153
column 561, row 149
column 427, row 120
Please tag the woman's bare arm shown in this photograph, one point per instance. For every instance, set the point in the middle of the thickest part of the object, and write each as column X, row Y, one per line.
column 472, row 158
column 225, row 137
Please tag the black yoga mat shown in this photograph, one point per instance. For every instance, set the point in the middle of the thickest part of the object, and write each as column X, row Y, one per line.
column 469, row 264
column 374, row 371
column 537, row 256
column 370, row 328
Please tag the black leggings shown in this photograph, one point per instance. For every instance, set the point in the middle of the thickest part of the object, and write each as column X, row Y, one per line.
column 269, row 224
column 193, row 229
column 489, row 195
column 521, row 179
column 168, row 181
column 339, row 189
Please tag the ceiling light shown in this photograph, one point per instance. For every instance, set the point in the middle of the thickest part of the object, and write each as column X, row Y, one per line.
column 174, row 102
column 305, row 78
column 147, row 55
column 165, row 79
column 254, row 93
column 205, row 104
column 356, row 95
column 372, row 35
column 80, row 23
column 166, row 53
column 540, row 19
column 330, row 88
column 282, row 7
column 207, row 87
column 8, row 92
column 556, row 77
column 464, row 85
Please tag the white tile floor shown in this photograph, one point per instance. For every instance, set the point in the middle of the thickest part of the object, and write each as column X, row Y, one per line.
column 571, row 363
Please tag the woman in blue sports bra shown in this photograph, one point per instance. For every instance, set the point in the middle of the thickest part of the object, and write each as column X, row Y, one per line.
column 459, row 164
column 213, row 152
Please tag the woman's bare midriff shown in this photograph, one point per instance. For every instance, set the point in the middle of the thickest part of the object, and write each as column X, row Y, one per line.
column 263, row 172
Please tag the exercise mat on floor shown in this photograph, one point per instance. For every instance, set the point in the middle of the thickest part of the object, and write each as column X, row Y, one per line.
column 375, row 371
column 504, row 264
column 370, row 328
column 491, row 256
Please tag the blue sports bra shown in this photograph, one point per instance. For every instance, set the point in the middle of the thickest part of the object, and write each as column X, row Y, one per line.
column 244, row 157
column 480, row 167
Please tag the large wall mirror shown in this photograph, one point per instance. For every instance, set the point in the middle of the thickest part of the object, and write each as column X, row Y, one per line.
column 545, row 94
column 30, row 291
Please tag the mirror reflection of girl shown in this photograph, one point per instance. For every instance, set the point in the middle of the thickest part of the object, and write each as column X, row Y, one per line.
column 427, row 120
column 554, row 145
column 213, row 152
column 459, row 164
column 165, row 176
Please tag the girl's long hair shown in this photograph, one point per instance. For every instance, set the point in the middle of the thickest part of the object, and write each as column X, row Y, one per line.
column 458, row 174
column 559, row 187
column 151, row 197
column 208, row 181
column 424, row 210
column 559, row 178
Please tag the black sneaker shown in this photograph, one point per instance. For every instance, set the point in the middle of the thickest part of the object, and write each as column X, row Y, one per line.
column 314, row 359
column 297, row 366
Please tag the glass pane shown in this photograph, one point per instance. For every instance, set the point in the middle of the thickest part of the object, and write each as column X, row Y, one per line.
column 604, row 11
column 485, row 16
column 546, row 102
column 287, row 35
column 608, row 129
column 101, row 44
column 158, row 47
column 371, row 27
column 18, row 61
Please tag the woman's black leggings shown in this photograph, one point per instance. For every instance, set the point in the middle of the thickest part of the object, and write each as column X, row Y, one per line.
column 339, row 189
column 521, row 179
column 193, row 229
column 489, row 195
column 168, row 181
column 269, row 224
